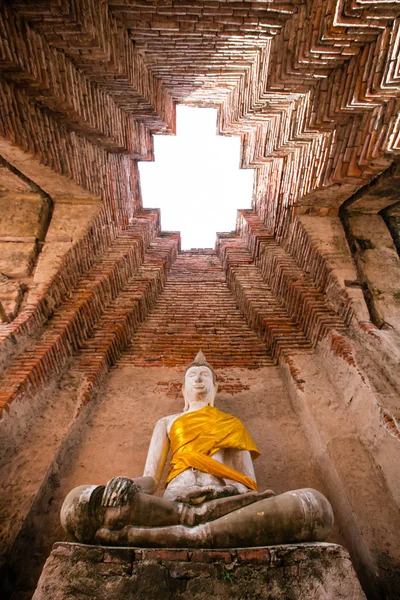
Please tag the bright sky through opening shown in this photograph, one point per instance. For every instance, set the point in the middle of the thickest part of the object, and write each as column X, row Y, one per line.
column 195, row 179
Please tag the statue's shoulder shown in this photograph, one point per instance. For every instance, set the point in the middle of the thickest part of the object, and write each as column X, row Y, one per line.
column 168, row 420
column 173, row 418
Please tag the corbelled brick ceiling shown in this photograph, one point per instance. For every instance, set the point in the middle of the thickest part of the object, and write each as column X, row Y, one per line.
column 311, row 86
column 88, row 279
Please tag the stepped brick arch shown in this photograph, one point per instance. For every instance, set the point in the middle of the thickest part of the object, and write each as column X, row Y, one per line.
column 307, row 286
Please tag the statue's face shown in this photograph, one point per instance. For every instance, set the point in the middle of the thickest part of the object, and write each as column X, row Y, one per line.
column 199, row 386
column 199, row 379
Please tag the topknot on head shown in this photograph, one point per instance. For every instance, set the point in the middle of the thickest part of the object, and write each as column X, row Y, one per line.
column 201, row 361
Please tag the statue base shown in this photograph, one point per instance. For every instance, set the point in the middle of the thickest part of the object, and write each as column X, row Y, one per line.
column 287, row 572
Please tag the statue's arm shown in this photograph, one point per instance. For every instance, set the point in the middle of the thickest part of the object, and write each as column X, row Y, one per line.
column 157, row 454
column 241, row 461
column 244, row 459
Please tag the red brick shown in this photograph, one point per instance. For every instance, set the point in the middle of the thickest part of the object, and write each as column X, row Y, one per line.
column 254, row 555
column 211, row 556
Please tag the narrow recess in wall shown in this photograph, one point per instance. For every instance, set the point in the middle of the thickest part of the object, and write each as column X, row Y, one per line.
column 195, row 179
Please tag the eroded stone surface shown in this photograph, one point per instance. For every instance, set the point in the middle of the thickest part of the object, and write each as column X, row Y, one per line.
column 379, row 266
column 23, row 215
column 11, row 294
column 312, row 571
column 17, row 258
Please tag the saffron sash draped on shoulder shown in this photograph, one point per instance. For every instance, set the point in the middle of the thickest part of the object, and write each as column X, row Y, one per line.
column 196, row 436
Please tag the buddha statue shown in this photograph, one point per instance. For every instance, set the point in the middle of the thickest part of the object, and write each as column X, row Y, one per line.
column 211, row 498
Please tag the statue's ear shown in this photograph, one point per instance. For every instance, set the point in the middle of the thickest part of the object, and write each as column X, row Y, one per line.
column 186, row 405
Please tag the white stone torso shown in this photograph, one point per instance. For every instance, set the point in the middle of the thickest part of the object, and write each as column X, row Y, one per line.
column 193, row 480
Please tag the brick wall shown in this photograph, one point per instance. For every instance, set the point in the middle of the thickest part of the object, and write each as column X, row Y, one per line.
column 196, row 311
column 311, row 87
column 67, row 331
column 280, row 300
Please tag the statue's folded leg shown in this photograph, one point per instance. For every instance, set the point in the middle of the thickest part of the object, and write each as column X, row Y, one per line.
column 83, row 513
column 296, row 516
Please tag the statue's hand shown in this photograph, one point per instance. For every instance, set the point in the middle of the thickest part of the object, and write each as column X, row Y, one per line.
column 200, row 495
column 119, row 490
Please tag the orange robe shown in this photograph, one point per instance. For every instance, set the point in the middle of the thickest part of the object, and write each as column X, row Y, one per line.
column 196, row 436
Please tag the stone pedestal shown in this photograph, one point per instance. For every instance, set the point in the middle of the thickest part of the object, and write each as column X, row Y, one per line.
column 287, row 572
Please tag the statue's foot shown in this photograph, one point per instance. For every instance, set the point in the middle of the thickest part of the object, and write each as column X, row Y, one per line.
column 176, row 536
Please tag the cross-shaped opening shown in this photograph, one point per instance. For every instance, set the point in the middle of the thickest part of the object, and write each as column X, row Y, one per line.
column 195, row 179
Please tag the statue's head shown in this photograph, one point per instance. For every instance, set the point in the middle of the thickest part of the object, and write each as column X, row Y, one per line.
column 200, row 386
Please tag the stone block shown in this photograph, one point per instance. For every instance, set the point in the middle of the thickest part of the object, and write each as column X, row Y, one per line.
column 11, row 294
column 10, row 182
column 313, row 571
column 23, row 215
column 70, row 221
column 17, row 258
column 49, row 263
column 379, row 265
column 50, row 260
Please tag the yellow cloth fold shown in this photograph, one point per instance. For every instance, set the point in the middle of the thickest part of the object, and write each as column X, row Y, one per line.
column 196, row 436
